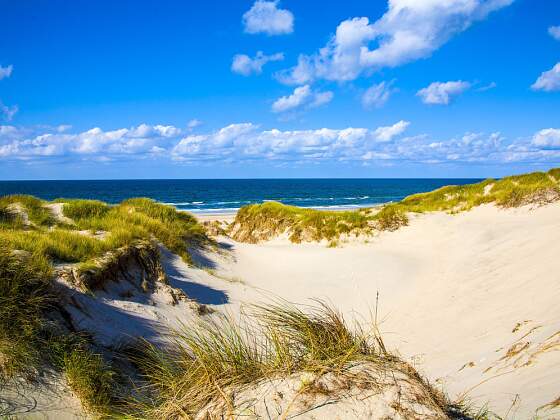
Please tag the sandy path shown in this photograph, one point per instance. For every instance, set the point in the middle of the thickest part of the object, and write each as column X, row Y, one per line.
column 452, row 290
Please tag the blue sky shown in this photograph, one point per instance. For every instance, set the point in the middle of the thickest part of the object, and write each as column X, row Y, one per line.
column 185, row 89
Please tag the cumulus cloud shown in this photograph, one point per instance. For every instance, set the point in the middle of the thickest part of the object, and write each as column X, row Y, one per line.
column 547, row 138
column 6, row 71
column 549, row 81
column 441, row 93
column 554, row 32
column 27, row 143
column 388, row 133
column 247, row 142
column 266, row 17
column 409, row 30
column 301, row 97
column 245, row 65
column 377, row 95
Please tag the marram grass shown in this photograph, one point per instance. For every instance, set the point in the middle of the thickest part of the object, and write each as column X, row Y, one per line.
column 211, row 358
column 32, row 241
column 258, row 222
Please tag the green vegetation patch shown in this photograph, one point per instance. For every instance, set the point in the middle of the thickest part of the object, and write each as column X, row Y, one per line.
column 91, row 378
column 32, row 240
column 17, row 208
column 260, row 222
column 83, row 209
column 23, row 298
column 139, row 218
column 213, row 359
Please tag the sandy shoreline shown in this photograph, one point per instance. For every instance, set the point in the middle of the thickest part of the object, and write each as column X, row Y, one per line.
column 221, row 217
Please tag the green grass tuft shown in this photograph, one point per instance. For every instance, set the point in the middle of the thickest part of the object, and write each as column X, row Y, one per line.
column 262, row 221
column 34, row 208
column 83, row 209
column 91, row 379
column 213, row 356
column 23, row 298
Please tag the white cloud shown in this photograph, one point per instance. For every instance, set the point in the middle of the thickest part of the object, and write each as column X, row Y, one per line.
column 245, row 65
column 54, row 141
column 266, row 17
column 549, row 81
column 8, row 112
column 244, row 143
column 285, row 103
column 409, row 30
column 302, row 96
column 6, row 71
column 547, row 138
column 441, row 93
column 388, row 133
column 554, row 32
column 377, row 95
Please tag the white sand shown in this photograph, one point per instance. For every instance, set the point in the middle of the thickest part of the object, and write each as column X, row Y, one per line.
column 452, row 289
column 221, row 217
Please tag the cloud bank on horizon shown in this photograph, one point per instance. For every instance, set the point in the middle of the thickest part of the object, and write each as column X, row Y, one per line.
column 246, row 142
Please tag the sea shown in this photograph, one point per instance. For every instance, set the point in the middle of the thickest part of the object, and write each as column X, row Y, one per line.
column 228, row 195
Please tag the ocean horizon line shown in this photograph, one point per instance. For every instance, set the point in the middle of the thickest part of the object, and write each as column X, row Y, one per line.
column 245, row 179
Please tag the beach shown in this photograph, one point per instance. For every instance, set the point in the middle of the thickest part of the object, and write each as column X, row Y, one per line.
column 445, row 302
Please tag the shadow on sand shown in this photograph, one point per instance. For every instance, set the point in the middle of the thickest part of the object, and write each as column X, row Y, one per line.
column 179, row 278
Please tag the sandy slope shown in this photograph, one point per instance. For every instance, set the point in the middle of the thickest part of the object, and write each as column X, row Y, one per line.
column 452, row 291
column 471, row 299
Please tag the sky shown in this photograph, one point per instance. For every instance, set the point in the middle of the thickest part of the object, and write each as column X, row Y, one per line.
column 278, row 89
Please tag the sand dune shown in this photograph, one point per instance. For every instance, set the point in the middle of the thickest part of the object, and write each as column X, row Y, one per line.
column 471, row 299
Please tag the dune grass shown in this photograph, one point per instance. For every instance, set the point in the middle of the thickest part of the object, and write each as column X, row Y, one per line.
column 23, row 298
column 259, row 222
column 511, row 191
column 123, row 224
column 138, row 218
column 9, row 219
column 263, row 221
column 32, row 343
column 213, row 357
column 83, row 209
column 91, row 379
column 29, row 340
column 34, row 208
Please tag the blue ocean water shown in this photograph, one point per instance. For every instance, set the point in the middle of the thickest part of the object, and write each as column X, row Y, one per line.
column 227, row 195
